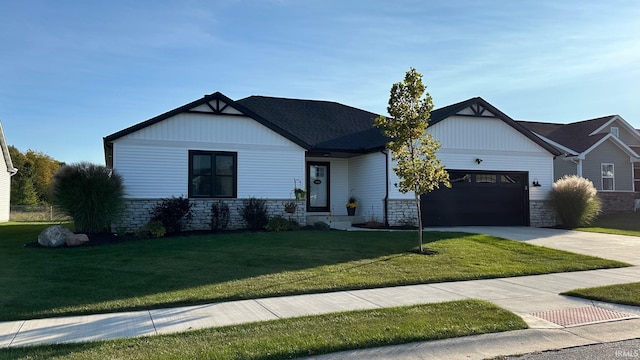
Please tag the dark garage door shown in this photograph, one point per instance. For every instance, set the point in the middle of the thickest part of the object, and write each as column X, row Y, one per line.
column 479, row 198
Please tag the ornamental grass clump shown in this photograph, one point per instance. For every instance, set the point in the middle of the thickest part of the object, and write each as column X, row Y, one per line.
column 575, row 200
column 93, row 195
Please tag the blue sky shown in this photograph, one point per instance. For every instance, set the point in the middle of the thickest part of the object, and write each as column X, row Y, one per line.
column 72, row 72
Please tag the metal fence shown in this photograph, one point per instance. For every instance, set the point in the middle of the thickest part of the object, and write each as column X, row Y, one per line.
column 37, row 213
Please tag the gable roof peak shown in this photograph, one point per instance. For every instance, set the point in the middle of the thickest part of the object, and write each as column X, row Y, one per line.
column 4, row 148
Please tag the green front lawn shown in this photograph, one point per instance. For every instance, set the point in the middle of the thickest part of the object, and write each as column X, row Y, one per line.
column 42, row 282
column 627, row 294
column 625, row 223
column 292, row 338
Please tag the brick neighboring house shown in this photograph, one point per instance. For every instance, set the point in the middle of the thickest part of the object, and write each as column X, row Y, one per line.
column 605, row 150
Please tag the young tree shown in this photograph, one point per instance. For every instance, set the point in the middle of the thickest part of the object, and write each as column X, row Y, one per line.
column 413, row 150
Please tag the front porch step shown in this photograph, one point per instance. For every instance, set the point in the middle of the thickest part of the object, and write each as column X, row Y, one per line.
column 341, row 222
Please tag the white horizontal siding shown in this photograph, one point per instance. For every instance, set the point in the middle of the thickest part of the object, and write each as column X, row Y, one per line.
column 159, row 172
column 5, row 190
column 269, row 174
column 154, row 161
column 367, row 184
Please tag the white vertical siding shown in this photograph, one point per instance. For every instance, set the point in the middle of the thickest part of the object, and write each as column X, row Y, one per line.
column 481, row 133
column 5, row 190
column 207, row 128
column 367, row 184
column 154, row 161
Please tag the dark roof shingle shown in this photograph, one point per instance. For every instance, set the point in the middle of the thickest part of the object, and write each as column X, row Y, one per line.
column 575, row 136
column 320, row 124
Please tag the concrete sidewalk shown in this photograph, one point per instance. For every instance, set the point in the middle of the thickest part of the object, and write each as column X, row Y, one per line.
column 555, row 321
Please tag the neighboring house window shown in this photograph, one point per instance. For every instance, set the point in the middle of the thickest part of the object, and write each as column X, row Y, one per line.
column 614, row 131
column 212, row 174
column 607, row 177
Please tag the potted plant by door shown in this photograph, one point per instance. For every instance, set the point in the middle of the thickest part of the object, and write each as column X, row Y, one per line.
column 300, row 194
column 352, row 204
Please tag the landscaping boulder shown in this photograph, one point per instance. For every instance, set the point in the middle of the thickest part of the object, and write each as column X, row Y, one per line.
column 77, row 239
column 54, row 236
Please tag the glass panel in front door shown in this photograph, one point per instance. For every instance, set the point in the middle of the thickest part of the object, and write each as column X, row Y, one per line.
column 318, row 190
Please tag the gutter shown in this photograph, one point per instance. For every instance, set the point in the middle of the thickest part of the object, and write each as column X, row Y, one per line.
column 386, row 184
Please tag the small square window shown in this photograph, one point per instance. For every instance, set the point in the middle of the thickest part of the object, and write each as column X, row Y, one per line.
column 615, row 131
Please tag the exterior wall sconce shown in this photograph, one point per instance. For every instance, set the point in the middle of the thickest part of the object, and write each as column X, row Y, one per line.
column 536, row 183
column 478, row 161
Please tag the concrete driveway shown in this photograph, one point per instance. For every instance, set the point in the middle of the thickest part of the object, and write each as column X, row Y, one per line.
column 615, row 247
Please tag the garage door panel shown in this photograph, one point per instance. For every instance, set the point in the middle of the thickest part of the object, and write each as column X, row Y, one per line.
column 482, row 198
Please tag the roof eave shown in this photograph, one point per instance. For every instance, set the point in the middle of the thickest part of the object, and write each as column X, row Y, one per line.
column 215, row 96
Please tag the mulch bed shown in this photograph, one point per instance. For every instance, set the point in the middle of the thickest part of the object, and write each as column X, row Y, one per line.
column 380, row 226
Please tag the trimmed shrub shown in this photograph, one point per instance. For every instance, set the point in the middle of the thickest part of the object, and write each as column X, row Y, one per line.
column 575, row 200
column 91, row 194
column 220, row 216
column 173, row 213
column 154, row 229
column 279, row 223
column 254, row 213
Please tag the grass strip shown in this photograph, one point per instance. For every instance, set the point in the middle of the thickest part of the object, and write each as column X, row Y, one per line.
column 623, row 223
column 169, row 272
column 627, row 294
column 290, row 338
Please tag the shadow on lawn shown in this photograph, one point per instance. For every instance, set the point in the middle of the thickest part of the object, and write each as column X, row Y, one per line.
column 55, row 282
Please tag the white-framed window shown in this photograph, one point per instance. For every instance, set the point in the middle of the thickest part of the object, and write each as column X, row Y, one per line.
column 615, row 131
column 608, row 183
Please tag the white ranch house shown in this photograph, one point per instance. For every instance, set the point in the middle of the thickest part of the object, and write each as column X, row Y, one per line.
column 218, row 149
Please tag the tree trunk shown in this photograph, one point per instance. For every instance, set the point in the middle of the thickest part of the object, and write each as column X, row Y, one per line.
column 420, row 249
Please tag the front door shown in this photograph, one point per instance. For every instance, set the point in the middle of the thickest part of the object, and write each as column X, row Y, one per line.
column 318, row 186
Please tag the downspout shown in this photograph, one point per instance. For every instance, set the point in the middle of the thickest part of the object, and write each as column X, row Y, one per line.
column 386, row 185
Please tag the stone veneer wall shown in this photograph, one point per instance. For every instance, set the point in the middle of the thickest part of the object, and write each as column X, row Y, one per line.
column 613, row 201
column 401, row 212
column 541, row 214
column 138, row 213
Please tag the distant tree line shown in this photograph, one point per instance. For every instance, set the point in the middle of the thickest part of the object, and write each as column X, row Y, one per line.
column 30, row 186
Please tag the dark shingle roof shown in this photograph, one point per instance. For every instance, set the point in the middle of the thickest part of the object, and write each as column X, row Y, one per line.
column 541, row 128
column 319, row 124
column 575, row 136
column 322, row 125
